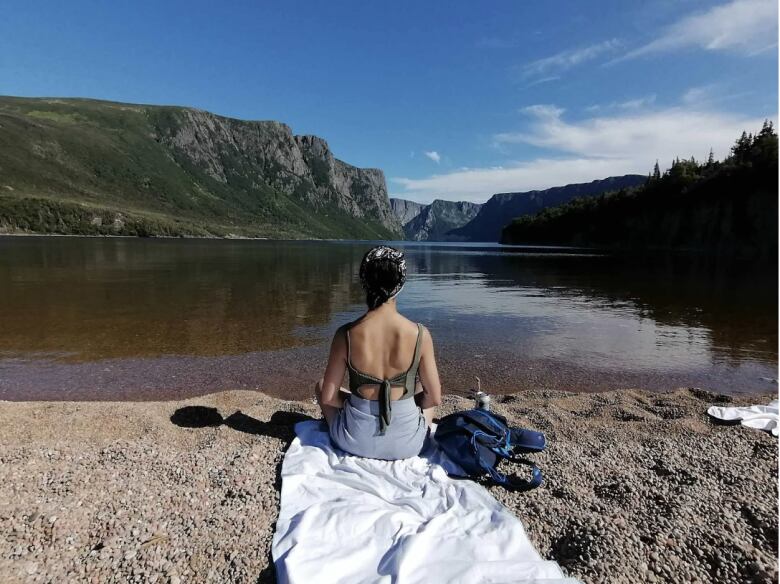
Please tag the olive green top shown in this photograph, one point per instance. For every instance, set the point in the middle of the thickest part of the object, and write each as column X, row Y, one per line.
column 407, row 379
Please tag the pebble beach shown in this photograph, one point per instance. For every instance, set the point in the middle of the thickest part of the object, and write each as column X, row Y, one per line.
column 639, row 487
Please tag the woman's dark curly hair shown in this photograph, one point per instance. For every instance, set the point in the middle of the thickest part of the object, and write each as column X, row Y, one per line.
column 382, row 274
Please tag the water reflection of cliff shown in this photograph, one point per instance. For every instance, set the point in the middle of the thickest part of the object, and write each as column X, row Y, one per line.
column 119, row 297
column 735, row 301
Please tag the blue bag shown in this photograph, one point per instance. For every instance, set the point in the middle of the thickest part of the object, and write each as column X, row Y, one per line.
column 477, row 440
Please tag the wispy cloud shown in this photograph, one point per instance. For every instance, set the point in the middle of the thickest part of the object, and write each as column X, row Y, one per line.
column 707, row 95
column 637, row 103
column 568, row 59
column 433, row 155
column 747, row 27
column 630, row 104
column 676, row 131
column 542, row 80
column 699, row 95
column 589, row 149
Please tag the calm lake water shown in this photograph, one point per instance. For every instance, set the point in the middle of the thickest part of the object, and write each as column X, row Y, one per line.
column 84, row 318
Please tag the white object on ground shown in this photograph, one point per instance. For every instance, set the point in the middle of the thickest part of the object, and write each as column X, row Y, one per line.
column 348, row 519
column 761, row 417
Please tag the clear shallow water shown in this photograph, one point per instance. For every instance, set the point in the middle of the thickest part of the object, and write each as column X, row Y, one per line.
column 91, row 318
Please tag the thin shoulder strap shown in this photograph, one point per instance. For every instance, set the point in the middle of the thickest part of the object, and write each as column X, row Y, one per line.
column 416, row 361
column 349, row 346
column 411, row 374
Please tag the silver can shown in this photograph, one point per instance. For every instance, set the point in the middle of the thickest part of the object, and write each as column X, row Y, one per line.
column 482, row 401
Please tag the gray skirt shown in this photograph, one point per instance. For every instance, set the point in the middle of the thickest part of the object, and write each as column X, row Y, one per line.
column 356, row 429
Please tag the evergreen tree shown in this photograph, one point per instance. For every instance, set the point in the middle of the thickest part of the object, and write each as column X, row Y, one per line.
column 764, row 147
column 741, row 150
column 656, row 171
column 711, row 158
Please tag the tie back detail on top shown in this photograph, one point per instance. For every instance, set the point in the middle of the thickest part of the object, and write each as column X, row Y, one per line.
column 358, row 378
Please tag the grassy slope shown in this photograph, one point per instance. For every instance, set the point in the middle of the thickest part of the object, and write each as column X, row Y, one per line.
column 69, row 166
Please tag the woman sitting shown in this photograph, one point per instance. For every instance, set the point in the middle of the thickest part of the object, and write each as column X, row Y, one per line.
column 386, row 413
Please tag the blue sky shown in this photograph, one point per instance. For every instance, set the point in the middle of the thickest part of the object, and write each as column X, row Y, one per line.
column 455, row 100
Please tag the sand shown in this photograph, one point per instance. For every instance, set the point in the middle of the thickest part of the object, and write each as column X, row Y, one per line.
column 639, row 487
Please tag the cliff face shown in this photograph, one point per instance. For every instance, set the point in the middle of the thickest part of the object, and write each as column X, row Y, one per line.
column 502, row 208
column 108, row 168
column 269, row 153
column 405, row 210
column 435, row 221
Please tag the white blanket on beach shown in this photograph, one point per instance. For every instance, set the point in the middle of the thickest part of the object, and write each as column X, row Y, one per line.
column 761, row 417
column 347, row 519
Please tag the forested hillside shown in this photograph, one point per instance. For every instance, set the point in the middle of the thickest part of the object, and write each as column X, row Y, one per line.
column 501, row 208
column 727, row 207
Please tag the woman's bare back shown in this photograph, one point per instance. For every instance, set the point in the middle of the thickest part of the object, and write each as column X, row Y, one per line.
column 382, row 346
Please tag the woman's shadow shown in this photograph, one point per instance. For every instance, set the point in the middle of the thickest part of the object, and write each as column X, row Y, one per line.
column 280, row 426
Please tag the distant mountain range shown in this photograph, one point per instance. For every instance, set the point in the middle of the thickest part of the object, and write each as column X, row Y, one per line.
column 432, row 222
column 502, row 208
column 79, row 166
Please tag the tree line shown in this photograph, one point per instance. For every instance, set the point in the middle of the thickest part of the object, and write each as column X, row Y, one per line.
column 727, row 206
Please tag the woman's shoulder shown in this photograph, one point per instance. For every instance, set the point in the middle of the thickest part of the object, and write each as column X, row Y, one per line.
column 409, row 326
column 415, row 328
column 342, row 331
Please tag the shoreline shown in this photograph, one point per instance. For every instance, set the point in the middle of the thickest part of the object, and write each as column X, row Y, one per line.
column 289, row 373
column 639, row 486
column 616, row 251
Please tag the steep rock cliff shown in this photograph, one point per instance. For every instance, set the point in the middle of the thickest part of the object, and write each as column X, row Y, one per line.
column 435, row 221
column 268, row 152
column 405, row 210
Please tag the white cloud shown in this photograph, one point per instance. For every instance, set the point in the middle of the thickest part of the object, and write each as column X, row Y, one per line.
column 590, row 149
column 631, row 104
column 433, row 155
column 543, row 111
column 707, row 95
column 698, row 95
column 638, row 103
column 743, row 26
column 569, row 58
column 664, row 134
column 542, row 80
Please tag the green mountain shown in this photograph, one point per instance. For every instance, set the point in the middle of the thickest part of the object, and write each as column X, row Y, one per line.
column 80, row 166
column 719, row 208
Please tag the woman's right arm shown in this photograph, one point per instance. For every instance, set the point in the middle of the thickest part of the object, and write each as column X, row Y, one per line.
column 429, row 374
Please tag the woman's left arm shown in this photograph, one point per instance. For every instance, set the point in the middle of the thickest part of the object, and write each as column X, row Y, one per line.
column 334, row 372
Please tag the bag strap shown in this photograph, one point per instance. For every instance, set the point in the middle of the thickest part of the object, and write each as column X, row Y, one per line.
column 499, row 477
column 527, row 484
